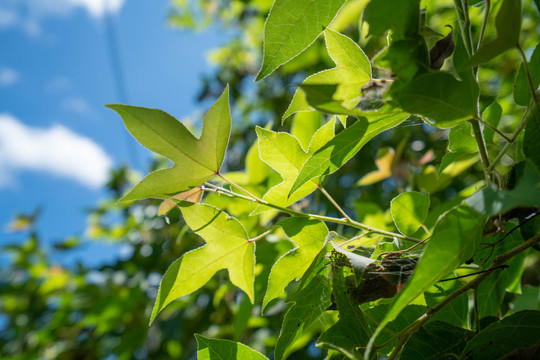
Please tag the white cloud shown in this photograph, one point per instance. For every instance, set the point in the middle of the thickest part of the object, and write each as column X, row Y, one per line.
column 8, row 77
column 27, row 14
column 55, row 150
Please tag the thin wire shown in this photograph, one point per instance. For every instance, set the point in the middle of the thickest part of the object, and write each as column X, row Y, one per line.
column 118, row 79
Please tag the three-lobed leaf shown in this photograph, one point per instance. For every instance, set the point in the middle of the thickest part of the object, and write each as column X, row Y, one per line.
column 291, row 27
column 283, row 153
column 409, row 211
column 346, row 144
column 227, row 247
column 352, row 71
column 195, row 160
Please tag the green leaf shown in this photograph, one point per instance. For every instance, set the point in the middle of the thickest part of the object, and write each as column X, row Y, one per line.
column 492, row 290
column 436, row 340
column 309, row 237
column 457, row 311
column 346, row 144
column 531, row 145
column 492, row 201
column 375, row 315
column 351, row 331
column 508, row 25
column 461, row 139
column 454, row 240
column 438, row 96
column 284, row 154
column 195, row 160
column 382, row 15
column 217, row 349
column 522, row 90
column 406, row 58
column 492, row 115
column 409, row 210
column 307, row 305
column 517, row 331
column 227, row 247
column 291, row 27
column 352, row 71
column 304, row 125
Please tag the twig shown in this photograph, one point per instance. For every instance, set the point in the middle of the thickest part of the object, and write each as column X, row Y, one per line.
column 325, row 193
column 238, row 187
column 499, row 260
column 260, row 236
column 493, row 128
column 475, row 273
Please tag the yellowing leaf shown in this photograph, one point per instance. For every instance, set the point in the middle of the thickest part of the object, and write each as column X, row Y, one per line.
column 384, row 168
column 195, row 160
column 227, row 247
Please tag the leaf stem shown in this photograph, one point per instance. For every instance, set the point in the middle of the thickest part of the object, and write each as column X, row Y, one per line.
column 484, row 23
column 260, row 236
column 342, row 221
column 480, row 142
column 493, row 128
column 499, row 260
column 528, row 73
column 238, row 187
column 529, row 113
column 336, row 205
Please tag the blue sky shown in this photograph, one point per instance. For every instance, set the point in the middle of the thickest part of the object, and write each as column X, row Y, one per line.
column 57, row 141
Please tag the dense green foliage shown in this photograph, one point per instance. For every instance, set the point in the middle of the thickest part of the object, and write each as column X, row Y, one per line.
column 384, row 205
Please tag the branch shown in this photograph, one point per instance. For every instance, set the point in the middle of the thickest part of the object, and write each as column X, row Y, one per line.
column 499, row 260
column 528, row 73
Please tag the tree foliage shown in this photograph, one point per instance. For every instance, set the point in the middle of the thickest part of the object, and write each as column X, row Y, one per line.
column 385, row 205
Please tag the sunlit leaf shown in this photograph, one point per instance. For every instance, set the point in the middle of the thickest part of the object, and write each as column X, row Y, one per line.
column 409, row 211
column 508, row 25
column 227, row 247
column 384, row 162
column 461, row 139
column 517, row 331
column 438, row 96
column 454, row 240
column 193, row 195
column 195, row 160
column 352, row 71
column 217, row 349
column 291, row 27
column 284, row 154
column 346, row 144
column 309, row 237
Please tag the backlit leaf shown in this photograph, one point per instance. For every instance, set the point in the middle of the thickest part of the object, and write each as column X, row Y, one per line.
column 217, row 349
column 346, row 144
column 306, row 307
column 284, row 154
column 381, row 15
column 291, row 27
column 195, row 160
column 384, row 162
column 227, row 247
column 531, row 145
column 309, row 237
column 409, row 211
column 352, row 71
